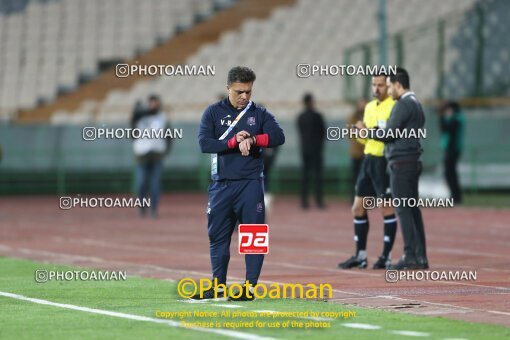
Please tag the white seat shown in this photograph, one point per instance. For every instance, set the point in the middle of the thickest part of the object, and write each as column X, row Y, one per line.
column 60, row 117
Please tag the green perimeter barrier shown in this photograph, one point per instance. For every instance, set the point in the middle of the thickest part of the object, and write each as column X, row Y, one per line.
column 45, row 159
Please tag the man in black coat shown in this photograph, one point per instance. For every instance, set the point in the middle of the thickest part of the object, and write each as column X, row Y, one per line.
column 312, row 133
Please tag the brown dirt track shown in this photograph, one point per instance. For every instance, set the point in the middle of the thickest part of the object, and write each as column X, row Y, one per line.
column 305, row 247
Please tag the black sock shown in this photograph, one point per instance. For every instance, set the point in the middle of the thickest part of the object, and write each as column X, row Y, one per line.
column 390, row 230
column 361, row 227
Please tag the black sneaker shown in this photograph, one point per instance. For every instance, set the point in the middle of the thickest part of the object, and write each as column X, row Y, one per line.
column 422, row 265
column 383, row 262
column 243, row 297
column 208, row 294
column 353, row 262
column 404, row 265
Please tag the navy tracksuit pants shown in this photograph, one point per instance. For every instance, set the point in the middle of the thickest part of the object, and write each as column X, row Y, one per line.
column 231, row 201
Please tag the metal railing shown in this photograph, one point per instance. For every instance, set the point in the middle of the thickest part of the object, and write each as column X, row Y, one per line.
column 457, row 56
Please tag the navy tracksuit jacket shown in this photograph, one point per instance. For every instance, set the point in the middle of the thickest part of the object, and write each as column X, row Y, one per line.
column 236, row 192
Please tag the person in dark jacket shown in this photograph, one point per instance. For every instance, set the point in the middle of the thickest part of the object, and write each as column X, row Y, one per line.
column 451, row 122
column 405, row 167
column 312, row 133
column 234, row 131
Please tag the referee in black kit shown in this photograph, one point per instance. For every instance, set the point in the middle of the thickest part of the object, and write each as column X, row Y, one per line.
column 404, row 164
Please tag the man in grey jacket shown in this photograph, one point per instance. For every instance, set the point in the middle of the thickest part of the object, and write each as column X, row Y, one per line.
column 404, row 163
column 150, row 152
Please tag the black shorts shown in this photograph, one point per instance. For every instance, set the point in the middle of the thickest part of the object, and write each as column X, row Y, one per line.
column 373, row 179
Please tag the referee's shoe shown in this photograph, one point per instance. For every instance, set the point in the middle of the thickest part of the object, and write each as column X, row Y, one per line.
column 406, row 264
column 354, row 262
column 383, row 262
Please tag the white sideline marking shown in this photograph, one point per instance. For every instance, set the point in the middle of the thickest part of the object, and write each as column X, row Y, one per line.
column 283, row 264
column 337, row 271
column 442, row 312
column 172, row 323
column 410, row 333
column 64, row 257
column 390, row 297
column 498, row 312
column 360, row 325
column 192, row 301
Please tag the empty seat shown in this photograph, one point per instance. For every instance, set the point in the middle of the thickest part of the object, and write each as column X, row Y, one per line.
column 67, row 39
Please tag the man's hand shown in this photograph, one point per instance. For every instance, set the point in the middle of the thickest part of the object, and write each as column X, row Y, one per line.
column 245, row 146
column 360, row 125
column 240, row 136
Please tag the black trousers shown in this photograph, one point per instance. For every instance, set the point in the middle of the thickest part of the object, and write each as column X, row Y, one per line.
column 355, row 168
column 268, row 165
column 450, row 172
column 404, row 184
column 312, row 167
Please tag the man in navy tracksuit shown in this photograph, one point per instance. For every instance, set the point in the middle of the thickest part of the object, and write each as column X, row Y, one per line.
column 234, row 131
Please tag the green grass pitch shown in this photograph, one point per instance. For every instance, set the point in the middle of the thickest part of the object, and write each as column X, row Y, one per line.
column 141, row 297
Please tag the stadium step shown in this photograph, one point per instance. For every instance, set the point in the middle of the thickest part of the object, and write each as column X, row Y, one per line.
column 174, row 51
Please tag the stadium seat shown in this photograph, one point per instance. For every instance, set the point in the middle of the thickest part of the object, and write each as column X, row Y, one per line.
column 308, row 32
column 66, row 41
